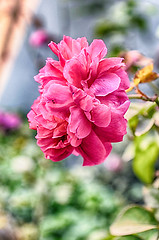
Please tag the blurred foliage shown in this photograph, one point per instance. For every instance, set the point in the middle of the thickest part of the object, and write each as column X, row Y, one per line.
column 143, row 123
column 146, row 155
column 138, row 222
column 119, row 12
column 113, row 20
column 139, row 219
column 50, row 200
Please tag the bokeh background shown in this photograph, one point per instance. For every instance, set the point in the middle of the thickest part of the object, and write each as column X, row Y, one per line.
column 40, row 199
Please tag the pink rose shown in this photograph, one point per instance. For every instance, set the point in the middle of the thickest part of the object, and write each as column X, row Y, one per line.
column 82, row 102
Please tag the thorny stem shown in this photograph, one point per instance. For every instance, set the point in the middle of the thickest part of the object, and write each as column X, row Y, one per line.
column 149, row 99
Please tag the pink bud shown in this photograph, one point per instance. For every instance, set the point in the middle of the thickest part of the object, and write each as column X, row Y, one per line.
column 38, row 38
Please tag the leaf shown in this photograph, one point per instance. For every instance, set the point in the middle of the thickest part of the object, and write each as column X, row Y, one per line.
column 146, row 154
column 133, row 122
column 146, row 109
column 132, row 220
column 144, row 126
column 156, row 119
column 130, row 237
column 149, row 235
column 144, row 75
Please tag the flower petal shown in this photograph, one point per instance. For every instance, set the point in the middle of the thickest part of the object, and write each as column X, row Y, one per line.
column 101, row 115
column 97, row 49
column 106, row 84
column 81, row 99
column 73, row 140
column 57, row 93
column 125, row 83
column 76, row 69
column 31, row 118
column 78, row 123
column 68, row 47
column 115, row 130
column 93, row 150
column 58, row 154
column 108, row 63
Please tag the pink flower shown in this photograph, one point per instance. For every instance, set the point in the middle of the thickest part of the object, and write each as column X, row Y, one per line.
column 114, row 163
column 38, row 38
column 135, row 58
column 9, row 121
column 82, row 102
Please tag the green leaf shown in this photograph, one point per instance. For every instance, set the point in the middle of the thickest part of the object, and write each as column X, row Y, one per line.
column 146, row 154
column 130, row 237
column 133, row 122
column 132, row 220
column 149, row 235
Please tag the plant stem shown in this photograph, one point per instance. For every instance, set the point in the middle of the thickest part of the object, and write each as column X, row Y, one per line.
column 149, row 99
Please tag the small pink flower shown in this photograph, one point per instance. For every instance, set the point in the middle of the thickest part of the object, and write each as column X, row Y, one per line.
column 135, row 58
column 82, row 102
column 38, row 38
column 9, row 121
column 114, row 163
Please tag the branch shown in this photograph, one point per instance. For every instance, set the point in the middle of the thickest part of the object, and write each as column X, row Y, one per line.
column 149, row 99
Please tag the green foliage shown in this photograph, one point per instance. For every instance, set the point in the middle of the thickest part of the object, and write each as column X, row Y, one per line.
column 149, row 235
column 146, row 155
column 129, row 238
column 47, row 200
column 133, row 123
column 124, row 18
column 141, row 117
column 143, row 123
column 107, row 28
column 133, row 220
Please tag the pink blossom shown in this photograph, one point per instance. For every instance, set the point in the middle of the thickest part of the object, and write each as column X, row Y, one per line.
column 9, row 121
column 82, row 102
column 114, row 163
column 135, row 58
column 38, row 38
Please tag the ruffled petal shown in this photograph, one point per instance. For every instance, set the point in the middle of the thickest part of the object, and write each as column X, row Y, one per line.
column 31, row 118
column 115, row 130
column 78, row 123
column 125, row 83
column 101, row 115
column 76, row 69
column 115, row 99
column 68, row 47
column 93, row 150
column 109, row 63
column 56, row 155
column 57, row 93
column 106, row 84
column 97, row 49
column 81, row 99
column 52, row 71
column 73, row 140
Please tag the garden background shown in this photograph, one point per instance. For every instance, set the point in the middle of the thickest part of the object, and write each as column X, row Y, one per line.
column 43, row 200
